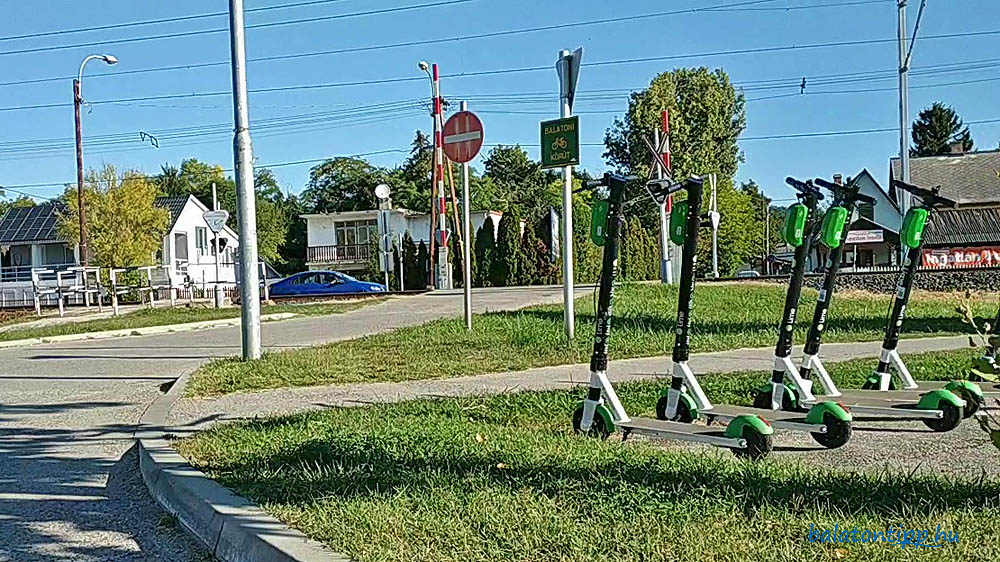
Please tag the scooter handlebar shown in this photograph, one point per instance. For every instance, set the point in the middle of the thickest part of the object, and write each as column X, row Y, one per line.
column 931, row 197
column 847, row 192
column 804, row 187
column 606, row 180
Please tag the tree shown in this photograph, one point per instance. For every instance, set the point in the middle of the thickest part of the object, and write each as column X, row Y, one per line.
column 707, row 116
column 342, row 184
column 528, row 273
column 423, row 267
column 505, row 266
column 519, row 183
column 485, row 247
column 20, row 202
column 124, row 228
column 936, row 129
column 414, row 277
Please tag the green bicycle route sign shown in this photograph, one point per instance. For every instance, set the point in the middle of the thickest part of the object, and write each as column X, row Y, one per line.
column 561, row 142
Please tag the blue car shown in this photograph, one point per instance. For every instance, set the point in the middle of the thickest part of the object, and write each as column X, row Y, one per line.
column 318, row 283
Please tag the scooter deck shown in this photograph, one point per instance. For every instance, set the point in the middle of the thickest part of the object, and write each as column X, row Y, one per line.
column 682, row 432
column 888, row 403
column 795, row 421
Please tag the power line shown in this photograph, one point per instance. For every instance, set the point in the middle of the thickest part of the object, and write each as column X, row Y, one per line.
column 486, row 35
column 176, row 19
column 180, row 34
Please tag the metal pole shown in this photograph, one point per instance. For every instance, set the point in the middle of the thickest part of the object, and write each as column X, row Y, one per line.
column 904, row 108
column 81, row 200
column 245, row 193
column 442, row 240
column 218, row 250
column 569, row 315
column 715, row 230
column 402, row 285
column 767, row 238
column 466, row 236
column 667, row 269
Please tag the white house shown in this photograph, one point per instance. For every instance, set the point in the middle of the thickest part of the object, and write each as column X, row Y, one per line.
column 29, row 238
column 188, row 247
column 341, row 241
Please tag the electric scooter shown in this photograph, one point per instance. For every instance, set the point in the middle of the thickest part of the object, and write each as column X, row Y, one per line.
column 829, row 423
column 911, row 236
column 941, row 410
column 601, row 413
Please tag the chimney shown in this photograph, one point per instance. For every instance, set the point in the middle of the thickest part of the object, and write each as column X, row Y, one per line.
column 838, row 179
column 957, row 147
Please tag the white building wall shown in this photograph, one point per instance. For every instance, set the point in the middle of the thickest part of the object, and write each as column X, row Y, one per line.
column 320, row 231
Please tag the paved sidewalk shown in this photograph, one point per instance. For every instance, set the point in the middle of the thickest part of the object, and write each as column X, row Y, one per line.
column 190, row 414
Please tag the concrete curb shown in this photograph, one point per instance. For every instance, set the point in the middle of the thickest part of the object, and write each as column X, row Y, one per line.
column 233, row 528
column 148, row 331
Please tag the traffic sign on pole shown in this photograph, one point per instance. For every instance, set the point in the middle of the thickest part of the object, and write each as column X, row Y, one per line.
column 561, row 142
column 463, row 136
column 216, row 220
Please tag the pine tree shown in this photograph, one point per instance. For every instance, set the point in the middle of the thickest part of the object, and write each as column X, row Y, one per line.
column 423, row 266
column 485, row 248
column 936, row 129
column 507, row 258
column 528, row 274
column 414, row 277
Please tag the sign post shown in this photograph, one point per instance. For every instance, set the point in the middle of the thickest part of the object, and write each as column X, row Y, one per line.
column 216, row 221
column 463, row 138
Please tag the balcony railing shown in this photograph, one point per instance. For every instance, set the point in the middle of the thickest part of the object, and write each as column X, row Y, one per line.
column 351, row 253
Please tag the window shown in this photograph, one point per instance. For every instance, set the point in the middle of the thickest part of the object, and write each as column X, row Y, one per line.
column 201, row 240
column 866, row 210
column 353, row 233
column 181, row 246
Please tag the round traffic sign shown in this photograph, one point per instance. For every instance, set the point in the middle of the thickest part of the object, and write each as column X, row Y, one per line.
column 463, row 136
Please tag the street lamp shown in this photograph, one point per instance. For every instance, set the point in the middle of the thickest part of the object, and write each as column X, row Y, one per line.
column 437, row 187
column 77, row 103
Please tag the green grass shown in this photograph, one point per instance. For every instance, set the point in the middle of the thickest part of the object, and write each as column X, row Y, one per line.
column 147, row 317
column 725, row 317
column 503, row 478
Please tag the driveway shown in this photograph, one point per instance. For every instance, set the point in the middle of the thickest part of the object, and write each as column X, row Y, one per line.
column 69, row 485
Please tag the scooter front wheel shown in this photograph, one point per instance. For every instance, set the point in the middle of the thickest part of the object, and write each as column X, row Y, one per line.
column 597, row 428
column 683, row 413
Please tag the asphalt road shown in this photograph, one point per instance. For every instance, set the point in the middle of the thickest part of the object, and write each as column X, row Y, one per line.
column 69, row 484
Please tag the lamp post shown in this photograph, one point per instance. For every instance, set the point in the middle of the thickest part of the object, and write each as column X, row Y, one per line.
column 77, row 103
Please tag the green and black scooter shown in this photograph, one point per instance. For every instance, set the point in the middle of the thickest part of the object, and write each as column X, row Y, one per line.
column 601, row 412
column 911, row 236
column 829, row 423
column 941, row 410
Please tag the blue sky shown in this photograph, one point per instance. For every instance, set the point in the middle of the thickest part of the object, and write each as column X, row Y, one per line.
column 511, row 104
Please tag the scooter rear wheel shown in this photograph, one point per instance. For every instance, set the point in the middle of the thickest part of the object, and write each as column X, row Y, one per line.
column 758, row 445
column 952, row 417
column 838, row 432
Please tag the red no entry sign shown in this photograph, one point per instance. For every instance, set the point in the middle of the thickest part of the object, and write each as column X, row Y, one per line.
column 463, row 136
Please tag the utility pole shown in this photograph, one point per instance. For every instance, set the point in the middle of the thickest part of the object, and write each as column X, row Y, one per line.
column 218, row 250
column 81, row 200
column 245, row 193
column 81, row 204
column 466, row 236
column 441, row 240
column 904, row 106
column 714, row 219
